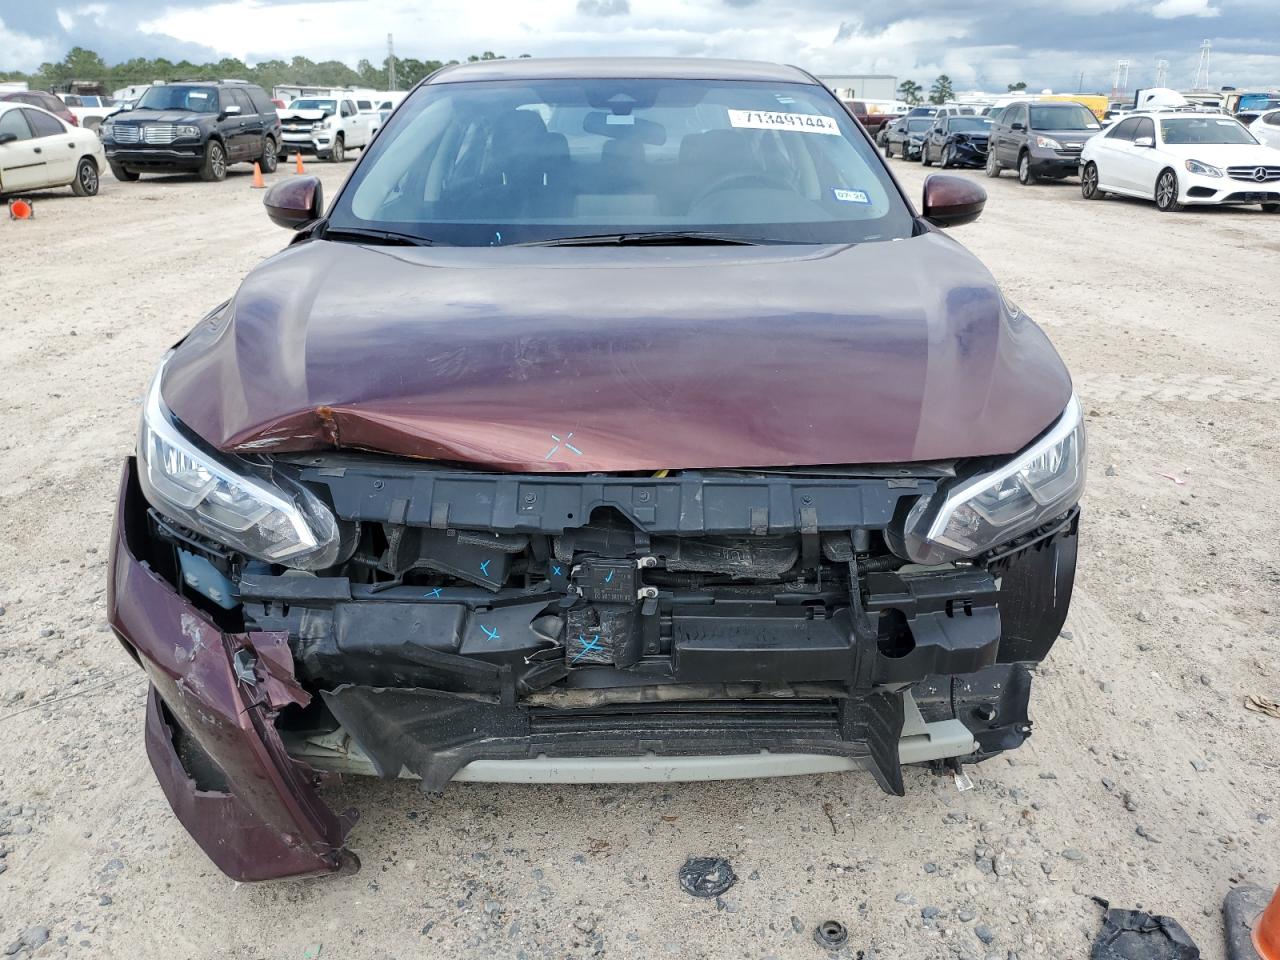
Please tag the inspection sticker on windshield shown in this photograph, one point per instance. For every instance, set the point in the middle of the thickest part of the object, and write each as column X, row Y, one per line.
column 850, row 196
column 769, row 120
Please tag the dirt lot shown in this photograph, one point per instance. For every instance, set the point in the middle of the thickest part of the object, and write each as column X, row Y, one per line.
column 1147, row 782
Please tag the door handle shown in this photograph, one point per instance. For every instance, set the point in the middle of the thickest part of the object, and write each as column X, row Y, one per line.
column 37, row 149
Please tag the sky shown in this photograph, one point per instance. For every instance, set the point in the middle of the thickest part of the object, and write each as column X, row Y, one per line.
column 980, row 44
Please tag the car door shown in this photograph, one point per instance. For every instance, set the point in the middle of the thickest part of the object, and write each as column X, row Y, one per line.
column 1146, row 161
column 22, row 160
column 937, row 135
column 254, row 126
column 1013, row 134
column 352, row 133
column 56, row 144
column 1111, row 154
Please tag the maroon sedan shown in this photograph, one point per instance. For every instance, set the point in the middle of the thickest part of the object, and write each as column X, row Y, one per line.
column 619, row 420
column 47, row 101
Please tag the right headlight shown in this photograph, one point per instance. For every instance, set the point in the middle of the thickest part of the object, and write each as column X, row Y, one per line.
column 230, row 500
column 1038, row 484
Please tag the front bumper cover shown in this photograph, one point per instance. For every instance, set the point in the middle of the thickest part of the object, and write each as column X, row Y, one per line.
column 222, row 691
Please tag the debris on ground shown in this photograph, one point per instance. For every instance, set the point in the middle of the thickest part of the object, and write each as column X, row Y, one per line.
column 707, row 876
column 1240, row 912
column 1137, row 935
column 831, row 934
column 1262, row 705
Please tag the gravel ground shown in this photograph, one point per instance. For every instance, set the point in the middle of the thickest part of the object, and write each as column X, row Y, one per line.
column 1147, row 782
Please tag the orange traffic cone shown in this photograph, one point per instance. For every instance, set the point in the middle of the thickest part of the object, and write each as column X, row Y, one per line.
column 258, row 184
column 21, row 210
column 1266, row 932
column 298, row 167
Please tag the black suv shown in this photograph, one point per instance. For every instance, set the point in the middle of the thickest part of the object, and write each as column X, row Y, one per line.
column 198, row 126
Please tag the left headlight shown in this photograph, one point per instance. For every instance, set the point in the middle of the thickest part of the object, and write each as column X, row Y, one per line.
column 263, row 516
column 186, row 131
column 1042, row 482
column 1203, row 169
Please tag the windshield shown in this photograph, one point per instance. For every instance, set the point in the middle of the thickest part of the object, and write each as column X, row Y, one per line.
column 968, row 124
column 178, row 97
column 497, row 162
column 1204, row 130
column 924, row 123
column 328, row 106
column 1072, row 117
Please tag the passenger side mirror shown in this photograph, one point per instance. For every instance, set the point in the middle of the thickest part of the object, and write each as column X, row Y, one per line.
column 7, row 137
column 1144, row 142
column 231, row 110
column 952, row 201
column 1017, row 126
column 295, row 202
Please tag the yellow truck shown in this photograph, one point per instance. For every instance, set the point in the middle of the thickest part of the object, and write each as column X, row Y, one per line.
column 1095, row 102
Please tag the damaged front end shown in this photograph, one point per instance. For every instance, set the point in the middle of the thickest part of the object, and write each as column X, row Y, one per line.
column 553, row 627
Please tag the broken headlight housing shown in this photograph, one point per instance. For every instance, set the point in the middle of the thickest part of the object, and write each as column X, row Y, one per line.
column 1042, row 482
column 240, row 504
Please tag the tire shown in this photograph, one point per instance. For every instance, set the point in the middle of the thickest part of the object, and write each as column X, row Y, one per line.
column 120, row 173
column 1167, row 192
column 1025, row 176
column 924, row 156
column 1089, row 188
column 888, row 150
column 339, row 151
column 214, row 168
column 992, row 169
column 86, row 182
column 270, row 159
column 948, row 157
column 1271, row 208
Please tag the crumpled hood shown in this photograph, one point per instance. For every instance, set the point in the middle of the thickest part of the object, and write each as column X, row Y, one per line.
column 303, row 114
column 615, row 359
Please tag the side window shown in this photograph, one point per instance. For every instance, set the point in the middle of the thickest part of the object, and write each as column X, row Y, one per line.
column 12, row 121
column 261, row 102
column 1272, row 119
column 1020, row 115
column 348, row 108
column 43, row 125
column 241, row 100
column 1145, row 128
column 1124, row 129
column 71, row 100
column 364, row 105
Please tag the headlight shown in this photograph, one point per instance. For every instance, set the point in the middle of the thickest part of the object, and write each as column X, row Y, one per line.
column 1204, row 169
column 1048, row 143
column 217, row 495
column 106, row 131
column 1040, row 483
column 320, row 125
column 186, row 131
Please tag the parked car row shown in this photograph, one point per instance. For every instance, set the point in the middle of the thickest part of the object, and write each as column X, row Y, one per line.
column 1174, row 157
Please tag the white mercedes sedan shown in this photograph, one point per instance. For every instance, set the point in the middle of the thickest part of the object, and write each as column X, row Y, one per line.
column 38, row 151
column 1181, row 159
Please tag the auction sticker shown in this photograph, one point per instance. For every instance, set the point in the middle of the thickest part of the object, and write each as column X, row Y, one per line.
column 770, row 120
column 850, row 196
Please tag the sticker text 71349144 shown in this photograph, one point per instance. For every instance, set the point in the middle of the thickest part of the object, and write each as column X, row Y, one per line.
column 772, row 120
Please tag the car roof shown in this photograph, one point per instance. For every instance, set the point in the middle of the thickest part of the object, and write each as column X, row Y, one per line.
column 7, row 105
column 629, row 68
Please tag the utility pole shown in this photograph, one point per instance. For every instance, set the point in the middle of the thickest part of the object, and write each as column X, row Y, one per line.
column 1202, row 70
column 391, row 63
column 1120, row 83
column 1080, row 83
column 1162, row 73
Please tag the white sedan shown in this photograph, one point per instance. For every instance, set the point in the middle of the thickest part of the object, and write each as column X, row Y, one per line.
column 37, row 151
column 1267, row 128
column 1181, row 159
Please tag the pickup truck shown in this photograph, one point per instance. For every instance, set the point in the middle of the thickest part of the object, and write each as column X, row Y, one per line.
column 326, row 127
column 872, row 121
column 89, row 109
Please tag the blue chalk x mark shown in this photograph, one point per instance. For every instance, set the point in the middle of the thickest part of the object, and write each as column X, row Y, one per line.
column 490, row 634
column 435, row 594
column 609, row 578
column 559, row 441
column 587, row 646
column 484, row 567
column 555, row 571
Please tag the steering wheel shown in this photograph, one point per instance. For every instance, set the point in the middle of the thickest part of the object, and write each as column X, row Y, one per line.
column 734, row 181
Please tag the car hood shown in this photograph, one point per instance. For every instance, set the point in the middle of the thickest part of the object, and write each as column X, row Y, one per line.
column 303, row 114
column 615, row 359
column 1226, row 154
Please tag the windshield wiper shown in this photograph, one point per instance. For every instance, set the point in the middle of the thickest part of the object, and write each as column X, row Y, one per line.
column 386, row 238
column 656, row 237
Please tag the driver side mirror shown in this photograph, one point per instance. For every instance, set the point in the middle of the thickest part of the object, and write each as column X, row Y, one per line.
column 7, row 137
column 295, row 202
column 1017, row 126
column 231, row 110
column 1144, row 142
column 951, row 201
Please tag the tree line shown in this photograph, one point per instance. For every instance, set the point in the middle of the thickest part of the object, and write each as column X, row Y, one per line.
column 941, row 91
column 86, row 65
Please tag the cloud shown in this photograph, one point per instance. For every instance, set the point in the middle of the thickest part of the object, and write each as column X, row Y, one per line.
column 604, row 8
column 1047, row 43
